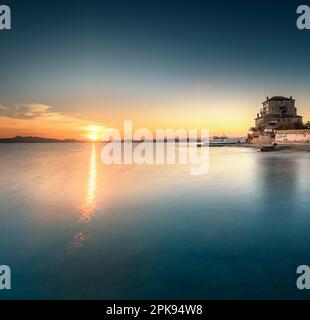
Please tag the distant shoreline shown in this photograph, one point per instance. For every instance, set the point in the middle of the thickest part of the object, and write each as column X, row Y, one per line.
column 30, row 139
column 38, row 140
column 19, row 139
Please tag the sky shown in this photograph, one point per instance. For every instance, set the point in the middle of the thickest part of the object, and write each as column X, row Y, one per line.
column 69, row 68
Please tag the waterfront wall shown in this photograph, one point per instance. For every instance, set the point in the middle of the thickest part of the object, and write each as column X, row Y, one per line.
column 293, row 136
column 262, row 138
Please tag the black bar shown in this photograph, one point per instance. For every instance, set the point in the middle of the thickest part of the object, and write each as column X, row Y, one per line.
column 159, row 309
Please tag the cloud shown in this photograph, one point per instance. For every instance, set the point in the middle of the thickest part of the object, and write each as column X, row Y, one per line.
column 24, row 111
column 42, row 120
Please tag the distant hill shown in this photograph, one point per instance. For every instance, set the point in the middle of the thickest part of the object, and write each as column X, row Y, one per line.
column 19, row 139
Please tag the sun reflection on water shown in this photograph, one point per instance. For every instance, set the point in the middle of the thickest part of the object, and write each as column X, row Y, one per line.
column 87, row 209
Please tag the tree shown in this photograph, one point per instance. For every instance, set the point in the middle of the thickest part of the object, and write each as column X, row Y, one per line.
column 253, row 129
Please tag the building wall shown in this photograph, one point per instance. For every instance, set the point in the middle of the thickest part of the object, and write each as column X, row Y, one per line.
column 276, row 121
column 293, row 136
column 278, row 112
column 276, row 107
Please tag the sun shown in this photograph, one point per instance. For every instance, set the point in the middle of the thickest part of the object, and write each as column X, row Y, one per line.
column 93, row 137
column 94, row 132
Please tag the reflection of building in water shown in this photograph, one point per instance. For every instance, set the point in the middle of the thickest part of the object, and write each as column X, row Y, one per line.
column 89, row 205
column 278, row 178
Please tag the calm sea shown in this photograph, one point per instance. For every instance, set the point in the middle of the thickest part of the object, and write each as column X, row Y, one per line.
column 73, row 228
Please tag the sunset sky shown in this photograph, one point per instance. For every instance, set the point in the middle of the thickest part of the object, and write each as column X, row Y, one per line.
column 68, row 67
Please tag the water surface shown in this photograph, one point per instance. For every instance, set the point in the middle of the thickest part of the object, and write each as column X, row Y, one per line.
column 72, row 227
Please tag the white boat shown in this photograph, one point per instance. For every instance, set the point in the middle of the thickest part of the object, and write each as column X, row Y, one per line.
column 223, row 140
column 219, row 141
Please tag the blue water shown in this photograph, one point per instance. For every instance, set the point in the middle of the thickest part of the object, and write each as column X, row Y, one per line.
column 73, row 228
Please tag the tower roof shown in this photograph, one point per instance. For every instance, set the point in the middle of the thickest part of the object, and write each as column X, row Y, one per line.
column 279, row 98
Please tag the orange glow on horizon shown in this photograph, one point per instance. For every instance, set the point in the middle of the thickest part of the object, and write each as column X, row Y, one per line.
column 218, row 108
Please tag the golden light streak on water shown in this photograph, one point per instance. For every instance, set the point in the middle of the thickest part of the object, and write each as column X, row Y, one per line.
column 89, row 205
